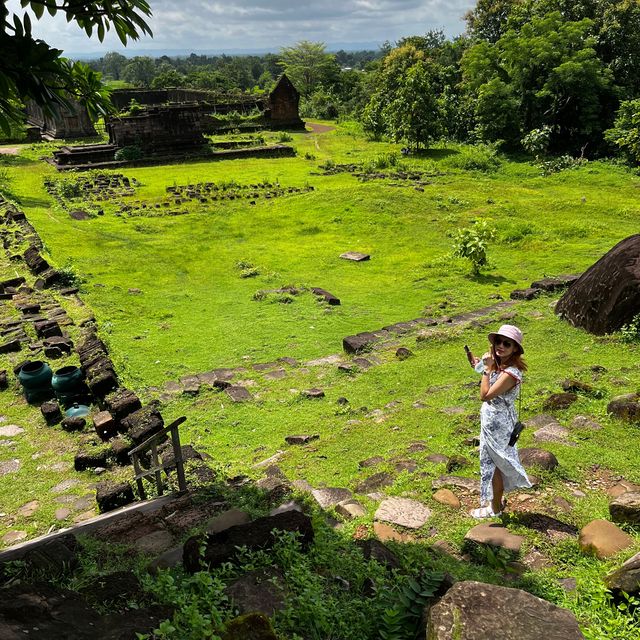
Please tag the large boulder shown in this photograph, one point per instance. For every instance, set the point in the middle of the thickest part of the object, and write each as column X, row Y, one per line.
column 259, row 534
column 626, row 508
column 478, row 611
column 607, row 295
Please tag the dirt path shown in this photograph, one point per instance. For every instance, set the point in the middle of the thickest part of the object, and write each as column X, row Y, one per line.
column 9, row 151
column 319, row 128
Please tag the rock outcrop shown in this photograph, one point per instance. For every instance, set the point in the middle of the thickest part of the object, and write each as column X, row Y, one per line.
column 607, row 295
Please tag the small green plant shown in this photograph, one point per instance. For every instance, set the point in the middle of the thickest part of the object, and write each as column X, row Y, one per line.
column 283, row 136
column 309, row 156
column 250, row 272
column 561, row 163
column 129, row 154
column 68, row 188
column 471, row 243
column 328, row 165
column 380, row 162
column 402, row 618
column 481, row 157
column 69, row 276
column 630, row 332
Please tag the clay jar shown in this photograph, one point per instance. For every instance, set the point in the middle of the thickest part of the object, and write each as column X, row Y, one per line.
column 35, row 375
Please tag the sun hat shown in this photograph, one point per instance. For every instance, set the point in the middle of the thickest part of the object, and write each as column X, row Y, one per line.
column 508, row 331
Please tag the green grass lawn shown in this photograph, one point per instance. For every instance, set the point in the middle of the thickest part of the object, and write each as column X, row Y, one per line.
column 194, row 312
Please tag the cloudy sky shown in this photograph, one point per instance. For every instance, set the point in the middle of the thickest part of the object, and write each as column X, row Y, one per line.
column 267, row 24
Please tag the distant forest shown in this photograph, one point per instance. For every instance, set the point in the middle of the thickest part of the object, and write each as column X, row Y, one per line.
column 546, row 76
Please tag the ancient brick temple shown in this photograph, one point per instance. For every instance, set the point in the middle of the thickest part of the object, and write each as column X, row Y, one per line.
column 67, row 123
column 279, row 109
column 171, row 123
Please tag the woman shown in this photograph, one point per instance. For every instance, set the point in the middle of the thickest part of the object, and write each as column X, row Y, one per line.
column 500, row 467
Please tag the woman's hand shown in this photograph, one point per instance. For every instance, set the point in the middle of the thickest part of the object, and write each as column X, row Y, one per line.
column 487, row 360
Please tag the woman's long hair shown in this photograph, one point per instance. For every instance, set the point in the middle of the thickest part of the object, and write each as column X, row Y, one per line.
column 515, row 360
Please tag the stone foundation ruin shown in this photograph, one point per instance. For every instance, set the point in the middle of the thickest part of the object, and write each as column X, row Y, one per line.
column 69, row 123
column 169, row 123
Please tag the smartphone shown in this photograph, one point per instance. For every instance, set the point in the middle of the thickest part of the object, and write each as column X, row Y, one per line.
column 470, row 357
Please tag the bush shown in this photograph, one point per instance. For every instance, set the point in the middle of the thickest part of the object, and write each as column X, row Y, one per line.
column 284, row 137
column 625, row 133
column 471, row 243
column 68, row 188
column 481, row 157
column 382, row 161
column 129, row 154
column 561, row 163
column 630, row 333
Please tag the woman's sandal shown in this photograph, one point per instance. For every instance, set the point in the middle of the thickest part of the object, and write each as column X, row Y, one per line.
column 484, row 512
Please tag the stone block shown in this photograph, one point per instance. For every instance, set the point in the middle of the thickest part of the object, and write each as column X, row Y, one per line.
column 525, row 294
column 10, row 346
column 47, row 328
column 112, row 496
column 329, row 298
column 142, row 424
column 105, row 425
column 74, row 424
column 90, row 457
column 51, row 412
column 102, row 381
column 359, row 342
column 602, row 539
column 122, row 402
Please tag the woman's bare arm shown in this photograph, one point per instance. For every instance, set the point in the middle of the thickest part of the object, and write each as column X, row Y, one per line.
column 504, row 383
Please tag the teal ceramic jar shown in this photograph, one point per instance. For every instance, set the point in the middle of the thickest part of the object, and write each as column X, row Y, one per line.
column 67, row 379
column 35, row 375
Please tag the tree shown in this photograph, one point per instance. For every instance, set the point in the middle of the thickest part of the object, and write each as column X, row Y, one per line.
column 32, row 70
column 545, row 73
column 405, row 104
column 112, row 64
column 308, row 66
column 139, row 71
column 625, row 133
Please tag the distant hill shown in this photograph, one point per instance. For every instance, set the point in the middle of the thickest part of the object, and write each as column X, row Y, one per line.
column 183, row 53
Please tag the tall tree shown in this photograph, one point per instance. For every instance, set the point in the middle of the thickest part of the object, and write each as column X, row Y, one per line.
column 308, row 65
column 405, row 104
column 547, row 73
column 30, row 69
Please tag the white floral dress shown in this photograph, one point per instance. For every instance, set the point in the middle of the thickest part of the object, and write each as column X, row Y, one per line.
column 497, row 419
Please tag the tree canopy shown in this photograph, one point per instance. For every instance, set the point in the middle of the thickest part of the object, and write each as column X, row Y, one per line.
column 30, row 69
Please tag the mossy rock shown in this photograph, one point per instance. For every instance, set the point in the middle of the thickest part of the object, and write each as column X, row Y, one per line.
column 251, row 626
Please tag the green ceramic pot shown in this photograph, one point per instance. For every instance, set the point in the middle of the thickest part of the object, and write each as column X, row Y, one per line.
column 35, row 375
column 67, row 379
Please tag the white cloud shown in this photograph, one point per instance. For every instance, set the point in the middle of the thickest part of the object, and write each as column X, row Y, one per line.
column 268, row 24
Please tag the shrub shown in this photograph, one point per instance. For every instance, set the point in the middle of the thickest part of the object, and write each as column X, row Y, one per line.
column 382, row 161
column 537, row 141
column 284, row 136
column 129, row 154
column 471, row 243
column 625, row 133
column 250, row 272
column 481, row 157
column 630, row 332
column 68, row 188
column 561, row 163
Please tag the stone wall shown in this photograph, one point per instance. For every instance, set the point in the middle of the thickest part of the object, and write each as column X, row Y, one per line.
column 165, row 129
column 67, row 123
